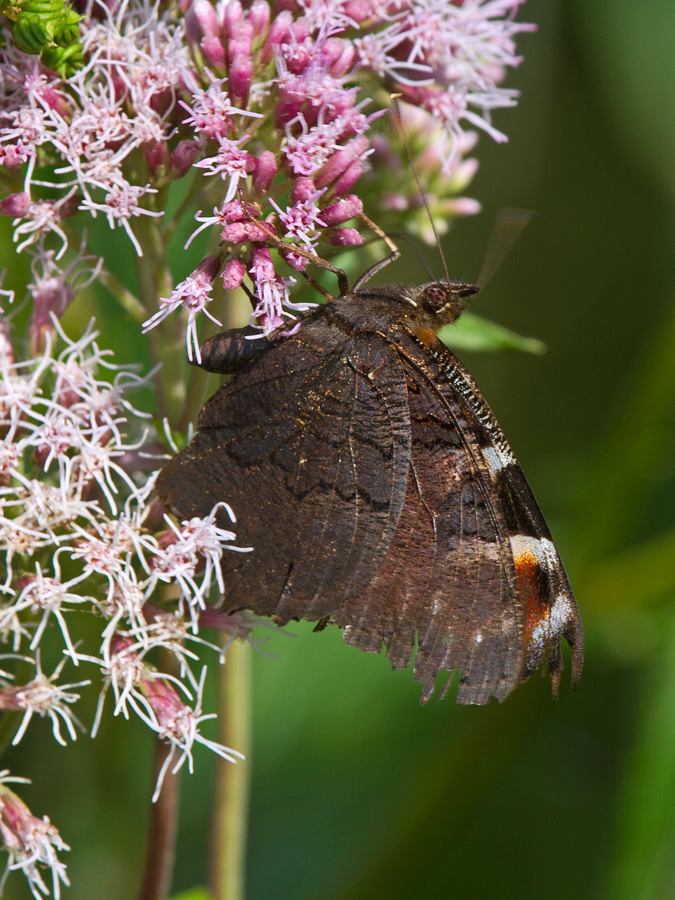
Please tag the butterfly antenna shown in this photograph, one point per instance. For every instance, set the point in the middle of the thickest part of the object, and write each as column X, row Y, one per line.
column 508, row 227
column 410, row 241
column 397, row 118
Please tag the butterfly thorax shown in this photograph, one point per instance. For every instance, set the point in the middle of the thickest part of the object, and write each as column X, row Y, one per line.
column 419, row 309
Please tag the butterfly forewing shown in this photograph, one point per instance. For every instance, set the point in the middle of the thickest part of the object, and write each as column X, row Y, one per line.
column 316, row 470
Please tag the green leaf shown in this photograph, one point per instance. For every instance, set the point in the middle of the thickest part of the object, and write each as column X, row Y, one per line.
column 472, row 332
column 197, row 893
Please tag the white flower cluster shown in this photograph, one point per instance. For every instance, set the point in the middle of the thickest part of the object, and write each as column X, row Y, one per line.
column 79, row 530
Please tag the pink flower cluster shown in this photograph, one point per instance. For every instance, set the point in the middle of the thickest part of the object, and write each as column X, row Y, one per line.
column 275, row 110
column 265, row 124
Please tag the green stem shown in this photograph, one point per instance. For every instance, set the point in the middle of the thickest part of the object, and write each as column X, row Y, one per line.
column 167, row 340
column 126, row 298
column 230, row 814
column 161, row 844
column 186, row 207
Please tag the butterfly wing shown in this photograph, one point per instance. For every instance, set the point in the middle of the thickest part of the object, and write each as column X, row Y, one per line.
column 472, row 572
column 374, row 484
column 309, row 444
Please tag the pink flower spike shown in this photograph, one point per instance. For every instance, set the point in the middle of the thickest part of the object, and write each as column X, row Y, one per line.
column 211, row 112
column 271, row 290
column 53, row 288
column 121, row 204
column 176, row 722
column 44, row 697
column 301, row 220
column 12, row 156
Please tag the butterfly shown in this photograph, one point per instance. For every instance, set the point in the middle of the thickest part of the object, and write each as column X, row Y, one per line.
column 379, row 494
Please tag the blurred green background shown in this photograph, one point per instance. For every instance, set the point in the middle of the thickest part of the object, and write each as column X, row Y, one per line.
column 357, row 792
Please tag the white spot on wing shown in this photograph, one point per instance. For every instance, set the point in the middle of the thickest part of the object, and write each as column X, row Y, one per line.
column 498, row 458
column 559, row 615
column 541, row 548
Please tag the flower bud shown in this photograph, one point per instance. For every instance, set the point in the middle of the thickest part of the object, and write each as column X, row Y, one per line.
column 303, row 188
column 240, row 75
column 348, row 179
column 183, row 157
column 233, row 16
column 201, row 21
column 234, row 271
column 342, row 211
column 259, row 17
column 463, row 206
column 15, row 205
column 345, row 237
column 278, row 32
column 156, row 155
column 264, row 173
column 294, row 260
column 208, row 268
column 340, row 56
column 341, row 160
column 51, row 296
column 214, row 52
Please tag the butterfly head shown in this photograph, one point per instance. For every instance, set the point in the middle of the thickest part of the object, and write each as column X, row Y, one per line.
column 445, row 301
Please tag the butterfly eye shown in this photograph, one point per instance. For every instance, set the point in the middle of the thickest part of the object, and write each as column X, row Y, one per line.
column 435, row 296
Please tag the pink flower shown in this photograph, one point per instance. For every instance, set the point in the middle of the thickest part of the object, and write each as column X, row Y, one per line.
column 271, row 290
column 230, row 162
column 32, row 843
column 192, row 295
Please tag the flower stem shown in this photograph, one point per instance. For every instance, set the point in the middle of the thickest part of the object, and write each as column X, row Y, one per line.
column 230, row 813
column 161, row 846
column 166, row 341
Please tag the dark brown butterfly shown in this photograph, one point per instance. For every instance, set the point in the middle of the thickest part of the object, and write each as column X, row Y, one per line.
column 379, row 493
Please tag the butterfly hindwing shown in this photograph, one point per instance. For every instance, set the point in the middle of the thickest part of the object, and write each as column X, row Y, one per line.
column 542, row 591
column 448, row 581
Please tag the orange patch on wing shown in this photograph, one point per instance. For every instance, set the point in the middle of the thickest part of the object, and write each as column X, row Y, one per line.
column 527, row 568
